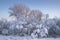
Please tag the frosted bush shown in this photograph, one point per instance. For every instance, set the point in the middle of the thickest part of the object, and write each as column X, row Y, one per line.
column 32, row 28
column 33, row 35
column 4, row 31
column 41, row 31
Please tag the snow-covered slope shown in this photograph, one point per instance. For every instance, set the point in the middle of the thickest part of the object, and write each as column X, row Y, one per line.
column 24, row 38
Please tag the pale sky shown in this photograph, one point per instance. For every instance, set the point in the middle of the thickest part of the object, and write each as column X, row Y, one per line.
column 52, row 7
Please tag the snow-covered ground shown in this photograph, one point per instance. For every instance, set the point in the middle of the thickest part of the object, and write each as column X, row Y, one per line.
column 24, row 38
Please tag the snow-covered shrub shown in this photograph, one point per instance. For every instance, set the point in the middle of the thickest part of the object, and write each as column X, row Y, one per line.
column 4, row 25
column 58, row 22
column 53, row 28
column 5, row 32
column 40, row 31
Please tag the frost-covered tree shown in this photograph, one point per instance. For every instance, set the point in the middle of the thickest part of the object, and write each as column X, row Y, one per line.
column 53, row 28
column 35, row 15
column 4, row 26
column 19, row 11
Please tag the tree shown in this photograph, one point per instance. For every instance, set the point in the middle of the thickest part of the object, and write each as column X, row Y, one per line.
column 35, row 14
column 53, row 28
column 19, row 11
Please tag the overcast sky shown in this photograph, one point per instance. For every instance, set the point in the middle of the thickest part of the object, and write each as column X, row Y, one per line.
column 52, row 7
